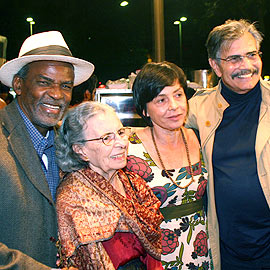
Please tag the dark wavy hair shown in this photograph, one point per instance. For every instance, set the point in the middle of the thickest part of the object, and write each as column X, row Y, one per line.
column 151, row 80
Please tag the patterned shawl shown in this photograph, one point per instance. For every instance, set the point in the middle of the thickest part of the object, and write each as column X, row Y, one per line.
column 90, row 210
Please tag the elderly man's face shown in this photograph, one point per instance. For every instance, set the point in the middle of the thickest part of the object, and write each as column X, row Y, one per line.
column 243, row 76
column 45, row 93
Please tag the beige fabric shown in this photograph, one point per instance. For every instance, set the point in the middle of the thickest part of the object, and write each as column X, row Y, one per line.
column 35, row 48
column 205, row 114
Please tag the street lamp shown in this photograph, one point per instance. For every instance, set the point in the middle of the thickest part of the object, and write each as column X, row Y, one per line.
column 31, row 22
column 182, row 19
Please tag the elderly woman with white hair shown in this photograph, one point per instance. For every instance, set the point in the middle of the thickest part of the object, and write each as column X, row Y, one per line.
column 108, row 218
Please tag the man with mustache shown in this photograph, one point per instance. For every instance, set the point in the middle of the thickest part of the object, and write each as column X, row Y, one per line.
column 43, row 77
column 233, row 120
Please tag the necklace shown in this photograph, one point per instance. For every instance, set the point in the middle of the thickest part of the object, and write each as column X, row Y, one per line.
column 188, row 158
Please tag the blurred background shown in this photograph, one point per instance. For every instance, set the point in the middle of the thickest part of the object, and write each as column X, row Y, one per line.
column 119, row 40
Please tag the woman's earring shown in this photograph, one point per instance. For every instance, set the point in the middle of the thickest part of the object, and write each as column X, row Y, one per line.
column 85, row 158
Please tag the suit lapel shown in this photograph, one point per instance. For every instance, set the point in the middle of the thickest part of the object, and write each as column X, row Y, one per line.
column 22, row 147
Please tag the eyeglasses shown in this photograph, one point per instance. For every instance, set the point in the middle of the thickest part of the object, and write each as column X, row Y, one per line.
column 109, row 138
column 237, row 59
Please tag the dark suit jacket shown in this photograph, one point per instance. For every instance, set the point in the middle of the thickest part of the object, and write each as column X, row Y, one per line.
column 27, row 211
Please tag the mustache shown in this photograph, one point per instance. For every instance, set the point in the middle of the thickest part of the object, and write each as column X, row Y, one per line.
column 244, row 72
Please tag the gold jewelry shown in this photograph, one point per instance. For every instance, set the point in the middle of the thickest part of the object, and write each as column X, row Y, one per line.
column 188, row 158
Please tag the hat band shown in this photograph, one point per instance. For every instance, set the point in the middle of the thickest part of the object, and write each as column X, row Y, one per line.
column 50, row 50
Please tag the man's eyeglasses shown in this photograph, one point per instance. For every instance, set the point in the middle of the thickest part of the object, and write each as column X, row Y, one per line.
column 109, row 138
column 237, row 59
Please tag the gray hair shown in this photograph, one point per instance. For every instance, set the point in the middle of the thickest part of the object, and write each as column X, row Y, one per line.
column 223, row 35
column 71, row 132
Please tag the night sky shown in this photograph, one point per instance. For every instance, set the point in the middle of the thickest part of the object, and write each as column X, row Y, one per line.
column 118, row 40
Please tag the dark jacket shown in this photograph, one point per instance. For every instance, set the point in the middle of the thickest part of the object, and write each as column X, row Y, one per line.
column 27, row 211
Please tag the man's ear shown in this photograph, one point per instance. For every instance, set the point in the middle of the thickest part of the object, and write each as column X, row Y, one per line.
column 78, row 149
column 17, row 85
column 215, row 66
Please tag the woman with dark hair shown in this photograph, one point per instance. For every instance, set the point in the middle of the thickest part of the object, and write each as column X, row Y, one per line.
column 84, row 92
column 108, row 218
column 167, row 156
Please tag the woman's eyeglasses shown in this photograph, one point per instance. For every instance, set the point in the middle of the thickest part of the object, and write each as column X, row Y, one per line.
column 109, row 138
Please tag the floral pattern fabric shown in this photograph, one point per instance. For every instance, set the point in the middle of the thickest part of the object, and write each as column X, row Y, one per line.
column 185, row 243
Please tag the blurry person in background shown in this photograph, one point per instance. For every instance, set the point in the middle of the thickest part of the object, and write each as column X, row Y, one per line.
column 108, row 218
column 2, row 103
column 167, row 156
column 84, row 92
column 43, row 77
column 233, row 120
column 5, row 94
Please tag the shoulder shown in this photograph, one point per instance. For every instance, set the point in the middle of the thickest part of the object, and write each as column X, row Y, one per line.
column 204, row 100
column 69, row 190
column 203, row 94
column 265, row 89
column 143, row 133
column 139, row 134
column 191, row 137
column 69, row 182
column 140, row 131
column 265, row 84
column 10, row 117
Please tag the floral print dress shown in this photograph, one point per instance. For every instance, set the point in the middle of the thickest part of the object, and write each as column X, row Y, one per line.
column 185, row 243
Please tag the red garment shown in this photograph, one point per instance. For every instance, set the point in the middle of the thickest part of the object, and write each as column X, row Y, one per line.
column 124, row 247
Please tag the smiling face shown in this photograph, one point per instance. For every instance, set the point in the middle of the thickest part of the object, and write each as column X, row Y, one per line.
column 104, row 159
column 243, row 76
column 45, row 93
column 169, row 109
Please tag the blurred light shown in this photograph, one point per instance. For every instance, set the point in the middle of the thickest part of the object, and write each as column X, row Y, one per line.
column 183, row 19
column 124, row 3
column 266, row 77
column 31, row 22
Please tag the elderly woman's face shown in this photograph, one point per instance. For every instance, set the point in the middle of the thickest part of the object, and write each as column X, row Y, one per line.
column 105, row 159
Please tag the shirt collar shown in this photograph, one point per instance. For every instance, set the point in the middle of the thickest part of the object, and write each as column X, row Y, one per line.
column 233, row 98
column 40, row 142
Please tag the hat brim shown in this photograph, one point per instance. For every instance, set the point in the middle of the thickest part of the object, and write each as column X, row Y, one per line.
column 82, row 69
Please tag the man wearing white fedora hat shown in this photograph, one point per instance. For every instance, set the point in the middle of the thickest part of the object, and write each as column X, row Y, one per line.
column 43, row 77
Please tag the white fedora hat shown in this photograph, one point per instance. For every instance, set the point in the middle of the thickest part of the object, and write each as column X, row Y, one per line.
column 45, row 46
